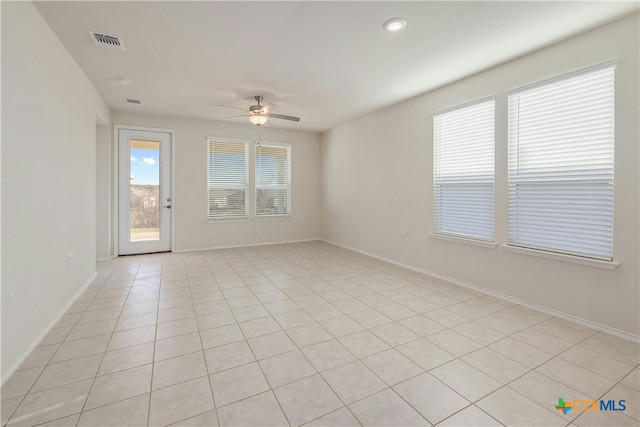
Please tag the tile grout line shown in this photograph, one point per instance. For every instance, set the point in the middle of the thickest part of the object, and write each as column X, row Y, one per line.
column 206, row 365
column 153, row 353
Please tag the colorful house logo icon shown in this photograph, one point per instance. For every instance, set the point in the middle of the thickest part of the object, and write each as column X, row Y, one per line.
column 563, row 406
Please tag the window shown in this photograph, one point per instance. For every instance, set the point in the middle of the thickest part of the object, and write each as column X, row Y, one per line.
column 228, row 174
column 463, row 172
column 227, row 178
column 273, row 179
column 561, row 142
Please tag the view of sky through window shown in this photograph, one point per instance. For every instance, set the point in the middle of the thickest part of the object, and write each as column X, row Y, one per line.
column 145, row 166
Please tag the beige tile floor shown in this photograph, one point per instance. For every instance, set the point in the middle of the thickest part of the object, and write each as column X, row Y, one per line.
column 309, row 334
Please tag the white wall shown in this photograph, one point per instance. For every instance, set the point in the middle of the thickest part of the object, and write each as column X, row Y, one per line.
column 49, row 111
column 377, row 183
column 192, row 232
column 104, row 191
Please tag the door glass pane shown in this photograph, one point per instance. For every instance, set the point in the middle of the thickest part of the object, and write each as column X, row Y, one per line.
column 144, row 190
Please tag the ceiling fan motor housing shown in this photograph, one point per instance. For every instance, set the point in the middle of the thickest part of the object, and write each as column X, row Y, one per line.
column 257, row 108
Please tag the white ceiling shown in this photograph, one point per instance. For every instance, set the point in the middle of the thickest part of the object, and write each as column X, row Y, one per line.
column 327, row 62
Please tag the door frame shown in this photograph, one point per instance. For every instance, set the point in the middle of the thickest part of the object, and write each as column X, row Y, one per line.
column 116, row 178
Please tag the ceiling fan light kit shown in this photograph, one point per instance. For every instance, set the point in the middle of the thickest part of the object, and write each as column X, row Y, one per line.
column 258, row 119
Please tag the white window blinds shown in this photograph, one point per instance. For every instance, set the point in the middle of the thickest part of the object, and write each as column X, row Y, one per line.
column 561, row 144
column 273, row 180
column 227, row 179
column 463, row 177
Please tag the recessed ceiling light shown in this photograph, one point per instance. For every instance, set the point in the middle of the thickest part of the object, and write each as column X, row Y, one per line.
column 395, row 24
column 123, row 80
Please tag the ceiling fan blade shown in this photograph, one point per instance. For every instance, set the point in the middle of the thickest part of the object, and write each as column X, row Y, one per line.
column 235, row 117
column 283, row 117
column 235, row 108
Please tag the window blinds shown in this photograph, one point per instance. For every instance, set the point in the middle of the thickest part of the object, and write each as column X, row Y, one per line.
column 463, row 178
column 227, row 179
column 561, row 153
column 273, row 180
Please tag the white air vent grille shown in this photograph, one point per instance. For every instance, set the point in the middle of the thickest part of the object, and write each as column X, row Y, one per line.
column 105, row 40
column 133, row 101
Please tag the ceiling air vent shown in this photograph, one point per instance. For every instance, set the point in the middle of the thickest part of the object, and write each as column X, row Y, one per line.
column 105, row 40
column 133, row 101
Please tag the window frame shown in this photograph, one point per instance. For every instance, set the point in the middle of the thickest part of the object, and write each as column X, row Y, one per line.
column 287, row 186
column 515, row 179
column 485, row 235
column 245, row 187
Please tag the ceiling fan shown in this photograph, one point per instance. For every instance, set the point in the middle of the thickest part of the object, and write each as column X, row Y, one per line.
column 260, row 114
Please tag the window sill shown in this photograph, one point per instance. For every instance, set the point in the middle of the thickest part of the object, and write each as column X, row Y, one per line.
column 468, row 241
column 606, row 265
column 273, row 218
column 247, row 219
column 225, row 220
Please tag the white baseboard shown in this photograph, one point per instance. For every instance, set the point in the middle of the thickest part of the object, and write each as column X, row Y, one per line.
column 213, row 248
column 504, row 297
column 6, row 374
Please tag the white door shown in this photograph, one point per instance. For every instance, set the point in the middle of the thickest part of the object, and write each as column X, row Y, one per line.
column 144, row 191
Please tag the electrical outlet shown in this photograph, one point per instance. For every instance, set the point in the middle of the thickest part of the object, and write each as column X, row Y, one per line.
column 69, row 258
